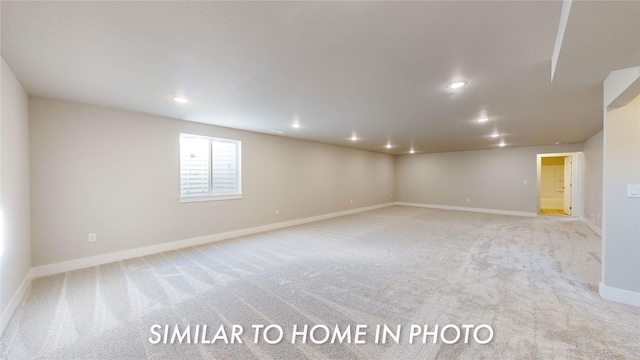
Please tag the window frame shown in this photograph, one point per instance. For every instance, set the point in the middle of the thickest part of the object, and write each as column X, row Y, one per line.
column 211, row 196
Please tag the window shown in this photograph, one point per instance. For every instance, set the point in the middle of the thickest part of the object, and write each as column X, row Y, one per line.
column 209, row 168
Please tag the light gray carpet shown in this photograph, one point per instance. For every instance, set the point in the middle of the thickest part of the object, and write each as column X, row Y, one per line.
column 533, row 280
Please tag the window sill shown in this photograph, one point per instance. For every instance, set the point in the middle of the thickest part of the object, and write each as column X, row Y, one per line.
column 210, row 198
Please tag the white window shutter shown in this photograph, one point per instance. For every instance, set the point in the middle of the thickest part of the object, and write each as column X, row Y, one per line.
column 209, row 168
column 195, row 168
column 224, row 167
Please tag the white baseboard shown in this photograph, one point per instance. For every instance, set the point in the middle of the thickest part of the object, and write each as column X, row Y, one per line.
column 462, row 208
column 619, row 295
column 15, row 301
column 591, row 226
column 76, row 264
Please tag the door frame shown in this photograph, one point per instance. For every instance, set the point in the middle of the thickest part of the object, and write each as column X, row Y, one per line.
column 577, row 175
column 567, row 196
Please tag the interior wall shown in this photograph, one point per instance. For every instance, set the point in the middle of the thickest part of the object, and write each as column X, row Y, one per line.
column 490, row 179
column 15, row 256
column 116, row 174
column 621, row 233
column 593, row 179
column 552, row 160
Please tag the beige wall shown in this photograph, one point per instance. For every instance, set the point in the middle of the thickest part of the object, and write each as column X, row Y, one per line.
column 553, row 160
column 491, row 179
column 621, row 232
column 115, row 173
column 593, row 179
column 15, row 259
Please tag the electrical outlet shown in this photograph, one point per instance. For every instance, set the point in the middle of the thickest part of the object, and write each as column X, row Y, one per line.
column 468, row 200
column 525, row 182
column 277, row 212
column 351, row 201
column 92, row 237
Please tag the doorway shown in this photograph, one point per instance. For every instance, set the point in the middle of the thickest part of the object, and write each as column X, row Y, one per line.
column 555, row 185
column 559, row 184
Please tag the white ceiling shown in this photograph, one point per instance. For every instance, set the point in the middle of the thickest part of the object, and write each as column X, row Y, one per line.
column 376, row 69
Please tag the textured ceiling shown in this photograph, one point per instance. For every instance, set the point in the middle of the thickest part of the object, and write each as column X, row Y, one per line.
column 375, row 69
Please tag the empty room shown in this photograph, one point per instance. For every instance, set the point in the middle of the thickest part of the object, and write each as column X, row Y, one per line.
column 320, row 180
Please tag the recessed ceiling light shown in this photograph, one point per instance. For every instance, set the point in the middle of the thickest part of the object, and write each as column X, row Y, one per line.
column 483, row 119
column 388, row 146
column 354, row 138
column 411, row 151
column 558, row 142
column 457, row 84
column 495, row 135
column 502, row 144
column 180, row 99
column 296, row 125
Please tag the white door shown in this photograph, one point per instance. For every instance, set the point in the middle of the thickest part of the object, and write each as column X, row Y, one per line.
column 567, row 185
